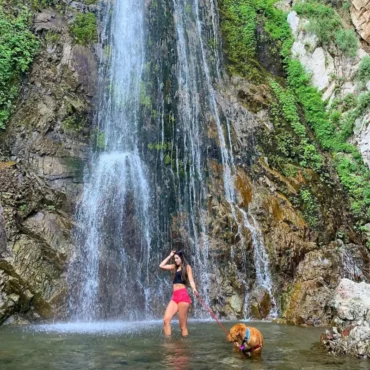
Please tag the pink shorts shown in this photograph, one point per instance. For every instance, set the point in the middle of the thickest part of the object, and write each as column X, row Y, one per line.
column 181, row 295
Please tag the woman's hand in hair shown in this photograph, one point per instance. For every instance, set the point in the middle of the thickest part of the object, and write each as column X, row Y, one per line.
column 164, row 265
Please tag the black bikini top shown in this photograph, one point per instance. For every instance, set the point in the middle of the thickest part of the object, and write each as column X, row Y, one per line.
column 178, row 278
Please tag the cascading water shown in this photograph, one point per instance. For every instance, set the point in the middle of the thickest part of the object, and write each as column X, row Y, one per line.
column 111, row 265
column 121, row 235
column 193, row 82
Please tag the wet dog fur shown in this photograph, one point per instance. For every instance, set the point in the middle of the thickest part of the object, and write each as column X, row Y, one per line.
column 255, row 341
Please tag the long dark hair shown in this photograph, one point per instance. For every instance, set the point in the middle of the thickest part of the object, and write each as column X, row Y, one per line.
column 184, row 267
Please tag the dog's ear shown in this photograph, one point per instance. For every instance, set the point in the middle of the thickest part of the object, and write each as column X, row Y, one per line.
column 229, row 338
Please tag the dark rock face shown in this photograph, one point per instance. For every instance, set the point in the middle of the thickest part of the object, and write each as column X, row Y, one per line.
column 44, row 150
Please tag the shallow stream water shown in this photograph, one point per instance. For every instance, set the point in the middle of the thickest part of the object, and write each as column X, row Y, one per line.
column 142, row 346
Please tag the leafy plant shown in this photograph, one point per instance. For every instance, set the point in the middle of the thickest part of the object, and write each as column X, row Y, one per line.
column 84, row 28
column 18, row 46
column 100, row 139
column 363, row 73
column 327, row 25
column 347, row 42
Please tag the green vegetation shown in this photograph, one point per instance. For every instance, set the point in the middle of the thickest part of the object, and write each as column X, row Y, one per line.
column 100, row 139
column 310, row 207
column 160, row 146
column 327, row 25
column 299, row 103
column 145, row 99
column 238, row 26
column 50, row 207
column 18, row 46
column 84, row 28
column 239, row 23
column 307, row 155
column 363, row 73
column 347, row 42
column 51, row 37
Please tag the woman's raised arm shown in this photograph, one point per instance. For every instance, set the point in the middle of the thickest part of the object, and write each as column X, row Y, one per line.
column 163, row 265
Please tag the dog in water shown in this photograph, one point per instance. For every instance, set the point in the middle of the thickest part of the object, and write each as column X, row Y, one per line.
column 249, row 340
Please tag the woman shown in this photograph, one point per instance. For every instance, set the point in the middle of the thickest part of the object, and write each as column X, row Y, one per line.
column 180, row 302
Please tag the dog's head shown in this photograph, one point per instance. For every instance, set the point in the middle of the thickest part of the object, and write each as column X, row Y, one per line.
column 237, row 333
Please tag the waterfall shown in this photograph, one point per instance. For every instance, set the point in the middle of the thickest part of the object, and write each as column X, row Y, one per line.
column 110, row 269
column 195, row 81
column 123, row 229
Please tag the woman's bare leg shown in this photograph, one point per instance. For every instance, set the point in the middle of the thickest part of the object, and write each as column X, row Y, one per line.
column 183, row 318
column 168, row 315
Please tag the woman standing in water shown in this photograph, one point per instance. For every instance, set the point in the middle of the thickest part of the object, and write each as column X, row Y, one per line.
column 180, row 301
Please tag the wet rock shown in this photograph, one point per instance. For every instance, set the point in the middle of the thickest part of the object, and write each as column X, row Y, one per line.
column 307, row 300
column 16, row 320
column 44, row 148
column 49, row 20
column 85, row 65
column 260, row 303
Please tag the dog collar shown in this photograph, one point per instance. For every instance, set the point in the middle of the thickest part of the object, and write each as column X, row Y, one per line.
column 245, row 340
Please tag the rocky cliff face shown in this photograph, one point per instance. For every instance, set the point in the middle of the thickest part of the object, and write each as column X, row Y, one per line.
column 360, row 15
column 303, row 212
column 334, row 74
column 43, row 152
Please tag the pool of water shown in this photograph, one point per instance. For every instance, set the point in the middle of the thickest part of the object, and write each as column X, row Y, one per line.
column 119, row 345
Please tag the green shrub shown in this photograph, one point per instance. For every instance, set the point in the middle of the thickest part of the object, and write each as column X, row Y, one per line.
column 41, row 4
column 347, row 42
column 310, row 207
column 84, row 28
column 100, row 139
column 323, row 28
column 18, row 46
column 363, row 73
column 307, row 153
column 327, row 25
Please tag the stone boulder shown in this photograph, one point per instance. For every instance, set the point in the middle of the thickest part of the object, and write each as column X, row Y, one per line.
column 360, row 15
column 351, row 333
column 362, row 136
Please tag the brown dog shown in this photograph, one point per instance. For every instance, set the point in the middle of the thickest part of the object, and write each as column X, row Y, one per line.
column 248, row 339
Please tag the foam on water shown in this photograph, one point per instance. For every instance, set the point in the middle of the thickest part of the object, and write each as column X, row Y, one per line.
column 115, row 327
column 98, row 327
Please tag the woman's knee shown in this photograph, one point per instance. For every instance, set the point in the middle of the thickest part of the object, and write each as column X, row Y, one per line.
column 167, row 320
